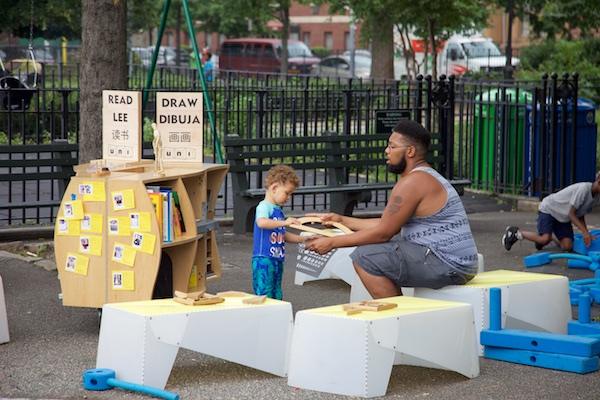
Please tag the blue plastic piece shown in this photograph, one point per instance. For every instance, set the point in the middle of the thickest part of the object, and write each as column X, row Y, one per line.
column 561, row 362
column 541, row 341
column 535, row 260
column 579, row 246
column 495, row 309
column 103, row 379
column 577, row 328
column 578, row 264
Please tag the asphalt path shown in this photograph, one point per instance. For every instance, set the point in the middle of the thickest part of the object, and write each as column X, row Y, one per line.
column 52, row 345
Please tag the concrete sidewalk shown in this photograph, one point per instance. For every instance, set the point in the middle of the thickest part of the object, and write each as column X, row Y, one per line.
column 52, row 345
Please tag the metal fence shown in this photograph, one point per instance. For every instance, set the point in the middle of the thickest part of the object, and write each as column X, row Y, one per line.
column 506, row 137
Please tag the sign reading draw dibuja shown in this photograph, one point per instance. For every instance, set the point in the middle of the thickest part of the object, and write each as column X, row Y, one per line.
column 121, row 125
column 179, row 118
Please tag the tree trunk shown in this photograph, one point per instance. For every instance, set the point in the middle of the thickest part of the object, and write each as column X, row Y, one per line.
column 103, row 66
column 382, row 42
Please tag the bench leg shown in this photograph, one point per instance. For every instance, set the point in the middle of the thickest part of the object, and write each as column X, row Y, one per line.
column 4, row 336
column 243, row 213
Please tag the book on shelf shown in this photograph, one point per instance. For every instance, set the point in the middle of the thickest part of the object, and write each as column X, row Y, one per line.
column 179, row 213
column 167, row 214
column 157, row 202
column 175, row 217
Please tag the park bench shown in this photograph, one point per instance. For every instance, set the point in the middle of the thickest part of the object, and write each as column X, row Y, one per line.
column 331, row 158
column 25, row 165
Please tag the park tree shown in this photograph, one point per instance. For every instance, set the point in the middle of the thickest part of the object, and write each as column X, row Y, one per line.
column 103, row 66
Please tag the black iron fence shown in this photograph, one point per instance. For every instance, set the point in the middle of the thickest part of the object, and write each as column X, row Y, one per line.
column 523, row 138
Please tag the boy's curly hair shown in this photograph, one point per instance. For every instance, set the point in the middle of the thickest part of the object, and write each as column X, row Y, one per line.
column 282, row 174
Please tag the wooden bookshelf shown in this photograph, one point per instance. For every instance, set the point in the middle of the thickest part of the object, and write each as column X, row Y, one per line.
column 104, row 277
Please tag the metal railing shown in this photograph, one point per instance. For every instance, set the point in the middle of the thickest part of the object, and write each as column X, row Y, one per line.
column 505, row 137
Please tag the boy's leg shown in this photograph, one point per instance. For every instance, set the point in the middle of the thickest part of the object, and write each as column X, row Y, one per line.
column 564, row 233
column 545, row 227
column 263, row 276
column 278, row 277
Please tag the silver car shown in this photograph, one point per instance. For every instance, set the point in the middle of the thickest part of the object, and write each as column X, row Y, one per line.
column 339, row 66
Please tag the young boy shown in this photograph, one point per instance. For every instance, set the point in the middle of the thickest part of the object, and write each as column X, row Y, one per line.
column 557, row 213
column 269, row 232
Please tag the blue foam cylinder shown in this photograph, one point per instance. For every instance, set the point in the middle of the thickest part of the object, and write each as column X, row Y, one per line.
column 103, row 379
column 585, row 306
column 495, row 309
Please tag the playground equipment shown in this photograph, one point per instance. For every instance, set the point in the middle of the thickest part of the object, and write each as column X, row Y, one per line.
column 103, row 379
column 15, row 92
column 571, row 353
column 536, row 260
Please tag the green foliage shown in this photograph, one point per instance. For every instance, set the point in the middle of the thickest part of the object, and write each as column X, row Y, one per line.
column 582, row 56
column 52, row 19
column 321, row 52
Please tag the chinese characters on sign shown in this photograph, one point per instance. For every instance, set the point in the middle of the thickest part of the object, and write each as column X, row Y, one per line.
column 121, row 125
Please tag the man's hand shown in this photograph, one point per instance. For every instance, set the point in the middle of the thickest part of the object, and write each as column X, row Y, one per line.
column 327, row 219
column 319, row 245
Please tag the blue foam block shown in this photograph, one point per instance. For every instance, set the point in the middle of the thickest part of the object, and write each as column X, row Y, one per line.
column 541, row 342
column 595, row 293
column 561, row 362
column 535, row 260
column 579, row 264
column 579, row 246
column 578, row 328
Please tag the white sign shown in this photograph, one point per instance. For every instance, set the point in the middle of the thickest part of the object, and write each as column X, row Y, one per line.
column 121, row 125
column 179, row 119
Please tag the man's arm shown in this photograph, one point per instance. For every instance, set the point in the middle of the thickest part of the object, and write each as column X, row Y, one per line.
column 404, row 200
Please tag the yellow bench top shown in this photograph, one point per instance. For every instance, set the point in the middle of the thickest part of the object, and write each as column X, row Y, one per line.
column 170, row 306
column 405, row 305
column 503, row 277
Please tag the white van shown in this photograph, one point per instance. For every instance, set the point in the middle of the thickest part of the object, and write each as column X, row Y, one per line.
column 471, row 53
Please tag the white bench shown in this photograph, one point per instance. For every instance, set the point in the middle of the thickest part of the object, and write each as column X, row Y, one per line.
column 353, row 355
column 140, row 340
column 4, row 336
column 530, row 301
column 338, row 265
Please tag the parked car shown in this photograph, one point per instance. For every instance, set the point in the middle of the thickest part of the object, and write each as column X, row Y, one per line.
column 167, row 56
column 264, row 55
column 339, row 66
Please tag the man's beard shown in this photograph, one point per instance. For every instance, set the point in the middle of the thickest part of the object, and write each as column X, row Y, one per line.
column 399, row 168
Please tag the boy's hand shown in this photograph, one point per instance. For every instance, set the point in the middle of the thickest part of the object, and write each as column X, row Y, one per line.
column 587, row 239
column 290, row 220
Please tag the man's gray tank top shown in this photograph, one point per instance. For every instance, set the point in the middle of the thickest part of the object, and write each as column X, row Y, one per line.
column 446, row 233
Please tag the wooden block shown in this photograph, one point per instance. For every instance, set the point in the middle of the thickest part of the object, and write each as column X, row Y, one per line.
column 562, row 362
column 191, row 295
column 232, row 293
column 199, row 302
column 542, row 342
column 255, row 300
column 352, row 311
column 370, row 305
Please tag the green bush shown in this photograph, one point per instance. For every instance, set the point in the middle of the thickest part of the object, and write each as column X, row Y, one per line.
column 321, row 52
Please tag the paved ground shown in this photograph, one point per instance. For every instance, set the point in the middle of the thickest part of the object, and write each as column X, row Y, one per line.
column 52, row 345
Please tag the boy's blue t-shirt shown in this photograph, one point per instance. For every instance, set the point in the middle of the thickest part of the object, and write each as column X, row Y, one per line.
column 269, row 243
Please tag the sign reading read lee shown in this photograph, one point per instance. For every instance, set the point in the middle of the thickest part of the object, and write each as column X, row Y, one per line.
column 179, row 118
column 121, row 125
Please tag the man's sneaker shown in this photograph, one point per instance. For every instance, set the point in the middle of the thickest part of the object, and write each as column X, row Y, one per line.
column 510, row 237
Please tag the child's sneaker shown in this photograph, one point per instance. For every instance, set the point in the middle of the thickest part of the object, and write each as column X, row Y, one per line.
column 510, row 237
